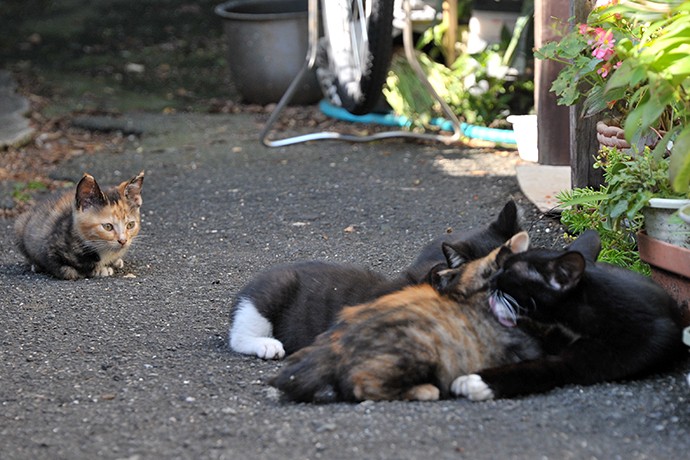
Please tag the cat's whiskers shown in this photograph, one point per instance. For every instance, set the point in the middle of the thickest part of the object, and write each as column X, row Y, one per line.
column 511, row 305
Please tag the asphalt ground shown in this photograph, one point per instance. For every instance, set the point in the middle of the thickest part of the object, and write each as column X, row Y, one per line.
column 136, row 366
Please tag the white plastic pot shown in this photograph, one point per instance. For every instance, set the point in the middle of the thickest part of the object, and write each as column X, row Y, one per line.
column 525, row 129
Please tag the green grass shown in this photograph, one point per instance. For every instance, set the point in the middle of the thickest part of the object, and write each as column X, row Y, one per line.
column 24, row 192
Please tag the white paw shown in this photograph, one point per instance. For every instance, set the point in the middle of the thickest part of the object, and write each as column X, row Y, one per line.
column 119, row 263
column 103, row 271
column 471, row 387
column 268, row 348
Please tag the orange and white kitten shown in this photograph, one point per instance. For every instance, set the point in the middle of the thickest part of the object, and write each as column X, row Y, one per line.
column 84, row 234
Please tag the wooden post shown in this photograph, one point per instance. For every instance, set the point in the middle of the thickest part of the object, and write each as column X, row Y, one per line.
column 450, row 18
column 553, row 120
column 583, row 140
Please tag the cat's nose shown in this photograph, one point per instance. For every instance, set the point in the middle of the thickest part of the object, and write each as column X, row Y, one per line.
column 122, row 241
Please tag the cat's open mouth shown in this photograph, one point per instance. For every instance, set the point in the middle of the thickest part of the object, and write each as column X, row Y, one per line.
column 504, row 308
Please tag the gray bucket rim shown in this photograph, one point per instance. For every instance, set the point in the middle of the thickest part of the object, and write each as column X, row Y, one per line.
column 222, row 11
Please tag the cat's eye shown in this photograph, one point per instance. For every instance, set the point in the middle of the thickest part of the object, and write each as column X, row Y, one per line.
column 131, row 224
column 108, row 227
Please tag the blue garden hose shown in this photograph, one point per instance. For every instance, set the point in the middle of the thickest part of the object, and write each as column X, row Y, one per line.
column 502, row 136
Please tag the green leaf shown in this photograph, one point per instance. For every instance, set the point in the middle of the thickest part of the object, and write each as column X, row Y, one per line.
column 621, row 77
column 679, row 167
column 680, row 67
column 620, row 208
column 591, row 199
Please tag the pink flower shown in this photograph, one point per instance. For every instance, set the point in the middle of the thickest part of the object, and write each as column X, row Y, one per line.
column 603, row 47
column 604, row 70
column 583, row 29
column 605, row 3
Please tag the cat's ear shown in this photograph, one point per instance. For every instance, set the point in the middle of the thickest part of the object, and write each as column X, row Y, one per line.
column 440, row 277
column 132, row 190
column 566, row 271
column 89, row 194
column 508, row 221
column 588, row 244
column 519, row 242
column 453, row 257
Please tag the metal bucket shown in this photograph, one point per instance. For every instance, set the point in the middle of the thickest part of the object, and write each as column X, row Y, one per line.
column 267, row 47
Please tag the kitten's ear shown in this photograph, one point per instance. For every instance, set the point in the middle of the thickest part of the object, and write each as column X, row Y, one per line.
column 440, row 277
column 132, row 190
column 519, row 242
column 453, row 257
column 507, row 223
column 588, row 244
column 566, row 271
column 89, row 194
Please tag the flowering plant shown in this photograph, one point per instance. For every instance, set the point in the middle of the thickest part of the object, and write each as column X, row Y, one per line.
column 657, row 68
column 632, row 59
column 590, row 57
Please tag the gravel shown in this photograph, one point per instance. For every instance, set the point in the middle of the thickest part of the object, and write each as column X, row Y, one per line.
column 136, row 366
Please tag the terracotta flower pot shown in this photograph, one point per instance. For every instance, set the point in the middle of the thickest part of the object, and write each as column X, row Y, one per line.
column 670, row 268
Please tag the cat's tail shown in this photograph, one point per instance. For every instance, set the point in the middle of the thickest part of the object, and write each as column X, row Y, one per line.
column 20, row 227
column 309, row 376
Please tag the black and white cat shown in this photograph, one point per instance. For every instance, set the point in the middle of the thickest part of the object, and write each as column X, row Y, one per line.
column 284, row 308
column 611, row 323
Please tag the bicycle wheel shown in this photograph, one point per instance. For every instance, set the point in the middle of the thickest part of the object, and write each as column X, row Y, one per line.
column 355, row 52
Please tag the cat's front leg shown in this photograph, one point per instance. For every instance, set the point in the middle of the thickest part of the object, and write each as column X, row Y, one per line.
column 471, row 387
column 510, row 380
column 119, row 263
column 252, row 334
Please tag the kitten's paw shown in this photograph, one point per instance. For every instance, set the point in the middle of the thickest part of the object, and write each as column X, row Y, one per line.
column 471, row 387
column 426, row 392
column 68, row 273
column 268, row 348
column 103, row 271
column 119, row 263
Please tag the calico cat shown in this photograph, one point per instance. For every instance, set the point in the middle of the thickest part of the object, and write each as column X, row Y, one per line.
column 620, row 324
column 283, row 309
column 410, row 344
column 82, row 234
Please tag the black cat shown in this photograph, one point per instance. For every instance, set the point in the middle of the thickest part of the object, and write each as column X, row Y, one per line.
column 284, row 308
column 611, row 323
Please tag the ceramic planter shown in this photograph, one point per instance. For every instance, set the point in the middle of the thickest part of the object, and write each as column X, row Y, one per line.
column 670, row 268
column 684, row 213
column 662, row 221
column 665, row 246
column 267, row 46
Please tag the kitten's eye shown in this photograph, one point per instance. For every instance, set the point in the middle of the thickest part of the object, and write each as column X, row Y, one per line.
column 131, row 224
column 108, row 227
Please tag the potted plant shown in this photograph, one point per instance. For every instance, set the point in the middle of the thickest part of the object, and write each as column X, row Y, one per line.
column 589, row 57
column 631, row 62
column 657, row 69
